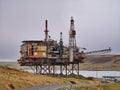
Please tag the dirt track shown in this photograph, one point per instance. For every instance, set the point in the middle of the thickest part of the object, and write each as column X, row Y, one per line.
column 54, row 87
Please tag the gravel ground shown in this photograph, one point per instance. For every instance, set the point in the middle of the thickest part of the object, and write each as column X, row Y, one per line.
column 49, row 87
column 54, row 87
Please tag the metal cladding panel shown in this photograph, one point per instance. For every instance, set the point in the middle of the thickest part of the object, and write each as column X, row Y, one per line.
column 41, row 48
column 72, row 32
column 71, row 55
column 30, row 49
column 39, row 54
column 24, row 47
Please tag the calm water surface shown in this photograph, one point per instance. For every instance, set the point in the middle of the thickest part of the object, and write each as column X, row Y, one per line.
column 97, row 74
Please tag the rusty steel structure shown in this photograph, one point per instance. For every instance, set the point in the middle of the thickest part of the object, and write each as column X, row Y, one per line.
column 45, row 56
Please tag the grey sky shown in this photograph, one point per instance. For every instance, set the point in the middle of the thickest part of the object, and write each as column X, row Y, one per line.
column 97, row 23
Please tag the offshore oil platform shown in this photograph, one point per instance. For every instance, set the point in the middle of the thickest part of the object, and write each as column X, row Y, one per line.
column 46, row 55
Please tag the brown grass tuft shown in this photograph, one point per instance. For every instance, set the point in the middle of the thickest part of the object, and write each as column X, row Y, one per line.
column 12, row 79
column 11, row 86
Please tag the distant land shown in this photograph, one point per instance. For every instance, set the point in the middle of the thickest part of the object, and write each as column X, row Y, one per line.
column 92, row 62
column 101, row 62
column 11, row 64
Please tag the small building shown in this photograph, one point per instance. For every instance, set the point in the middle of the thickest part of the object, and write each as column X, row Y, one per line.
column 107, row 79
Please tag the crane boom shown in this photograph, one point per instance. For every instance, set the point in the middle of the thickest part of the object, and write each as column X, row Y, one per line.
column 99, row 51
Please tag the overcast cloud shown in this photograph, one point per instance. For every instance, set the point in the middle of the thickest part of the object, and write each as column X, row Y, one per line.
column 97, row 23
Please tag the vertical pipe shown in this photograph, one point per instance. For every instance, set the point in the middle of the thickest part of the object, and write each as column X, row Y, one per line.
column 46, row 31
column 49, row 69
column 53, row 69
column 60, row 69
column 36, row 69
column 40, row 69
column 72, row 68
column 66, row 69
column 78, row 68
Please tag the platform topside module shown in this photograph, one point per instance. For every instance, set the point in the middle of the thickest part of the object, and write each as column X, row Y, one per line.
column 48, row 53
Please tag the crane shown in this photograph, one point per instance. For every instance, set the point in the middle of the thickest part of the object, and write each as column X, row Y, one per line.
column 98, row 52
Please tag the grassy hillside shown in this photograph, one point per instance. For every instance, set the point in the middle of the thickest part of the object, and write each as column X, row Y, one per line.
column 101, row 62
column 12, row 64
column 13, row 79
column 92, row 62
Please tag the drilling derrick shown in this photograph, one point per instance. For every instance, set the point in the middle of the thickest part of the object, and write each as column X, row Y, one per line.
column 72, row 33
column 72, row 40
